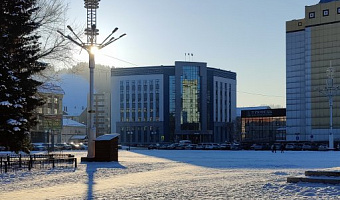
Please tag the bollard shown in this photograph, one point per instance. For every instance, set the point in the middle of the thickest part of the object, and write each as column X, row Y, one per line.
column 75, row 163
column 5, row 167
column 53, row 164
column 30, row 163
column 19, row 160
column 8, row 160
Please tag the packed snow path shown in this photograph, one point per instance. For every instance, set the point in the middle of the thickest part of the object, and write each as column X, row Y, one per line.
column 171, row 174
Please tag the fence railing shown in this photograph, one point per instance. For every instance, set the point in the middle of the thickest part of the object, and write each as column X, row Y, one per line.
column 15, row 162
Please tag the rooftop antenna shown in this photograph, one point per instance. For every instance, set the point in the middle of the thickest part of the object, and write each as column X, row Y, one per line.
column 91, row 46
column 189, row 55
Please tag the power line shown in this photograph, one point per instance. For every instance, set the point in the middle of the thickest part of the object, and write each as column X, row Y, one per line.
column 249, row 93
column 120, row 60
column 258, row 94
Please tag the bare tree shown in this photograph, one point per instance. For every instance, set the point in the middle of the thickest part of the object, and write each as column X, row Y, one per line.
column 55, row 50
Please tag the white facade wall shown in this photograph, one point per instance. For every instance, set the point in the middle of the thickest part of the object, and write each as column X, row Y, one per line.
column 115, row 96
column 223, row 112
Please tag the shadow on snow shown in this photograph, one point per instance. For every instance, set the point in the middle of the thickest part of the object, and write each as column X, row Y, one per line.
column 250, row 159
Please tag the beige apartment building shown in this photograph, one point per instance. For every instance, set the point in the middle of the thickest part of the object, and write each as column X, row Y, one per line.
column 312, row 47
column 49, row 115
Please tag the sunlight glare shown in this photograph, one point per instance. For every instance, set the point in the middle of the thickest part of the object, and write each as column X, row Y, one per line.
column 94, row 50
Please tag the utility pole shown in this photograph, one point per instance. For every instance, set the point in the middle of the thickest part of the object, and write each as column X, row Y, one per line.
column 329, row 91
column 91, row 47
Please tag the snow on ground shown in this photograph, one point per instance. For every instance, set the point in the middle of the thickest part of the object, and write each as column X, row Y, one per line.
column 178, row 174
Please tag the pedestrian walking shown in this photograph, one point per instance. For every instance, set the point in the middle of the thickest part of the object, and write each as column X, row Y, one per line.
column 282, row 148
column 273, row 148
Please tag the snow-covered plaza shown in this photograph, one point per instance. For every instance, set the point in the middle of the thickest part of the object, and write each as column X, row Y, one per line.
column 178, row 174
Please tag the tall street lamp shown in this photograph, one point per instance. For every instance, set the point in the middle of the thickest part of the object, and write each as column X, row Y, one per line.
column 91, row 47
column 330, row 90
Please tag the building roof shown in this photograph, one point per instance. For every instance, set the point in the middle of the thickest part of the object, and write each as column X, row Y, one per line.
column 239, row 110
column 78, row 137
column 70, row 122
column 107, row 137
column 168, row 69
column 50, row 88
column 327, row 1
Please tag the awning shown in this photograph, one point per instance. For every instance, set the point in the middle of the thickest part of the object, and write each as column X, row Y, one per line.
column 78, row 137
column 107, row 137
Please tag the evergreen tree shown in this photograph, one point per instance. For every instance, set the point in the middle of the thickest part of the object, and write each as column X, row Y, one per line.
column 19, row 53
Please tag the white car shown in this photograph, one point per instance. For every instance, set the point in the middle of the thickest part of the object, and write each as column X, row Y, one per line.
column 290, row 146
column 323, row 147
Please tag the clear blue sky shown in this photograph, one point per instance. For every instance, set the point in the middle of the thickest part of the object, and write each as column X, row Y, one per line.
column 243, row 36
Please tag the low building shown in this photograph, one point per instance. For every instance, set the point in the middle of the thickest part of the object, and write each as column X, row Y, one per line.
column 49, row 115
column 71, row 129
column 263, row 125
column 102, row 116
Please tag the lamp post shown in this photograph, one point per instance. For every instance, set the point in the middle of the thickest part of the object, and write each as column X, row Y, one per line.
column 130, row 133
column 91, row 47
column 330, row 90
column 153, row 133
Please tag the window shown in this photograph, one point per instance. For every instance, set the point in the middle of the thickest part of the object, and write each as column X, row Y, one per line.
column 190, row 91
column 311, row 15
column 325, row 12
column 338, row 10
column 39, row 110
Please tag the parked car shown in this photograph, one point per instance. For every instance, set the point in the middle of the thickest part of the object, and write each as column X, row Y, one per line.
column 306, row 147
column 83, row 146
column 259, row 147
column 211, row 146
column 163, row 146
column 153, row 146
column 323, row 147
column 180, row 146
column 290, row 147
column 225, row 146
column 63, row 146
column 277, row 146
column 38, row 147
column 199, row 147
column 236, row 146
column 172, row 146
column 78, row 146
column 298, row 147
column 191, row 147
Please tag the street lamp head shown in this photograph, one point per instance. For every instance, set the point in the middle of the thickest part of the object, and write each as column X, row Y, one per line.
column 69, row 27
column 122, row 35
column 114, row 30
column 91, row 4
column 94, row 50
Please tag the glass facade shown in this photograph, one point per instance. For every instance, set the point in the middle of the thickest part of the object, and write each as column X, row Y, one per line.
column 190, row 91
column 172, row 104
column 263, row 125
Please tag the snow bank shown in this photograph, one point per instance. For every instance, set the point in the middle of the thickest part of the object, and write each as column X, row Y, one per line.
column 157, row 174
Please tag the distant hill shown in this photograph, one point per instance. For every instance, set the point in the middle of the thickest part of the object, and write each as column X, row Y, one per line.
column 76, row 90
column 75, row 82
